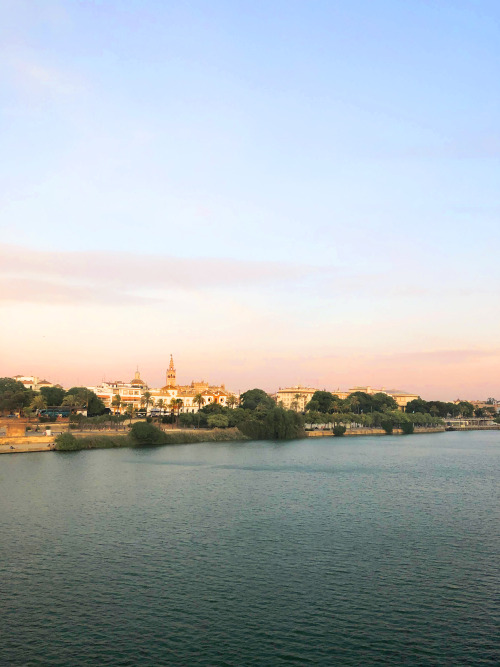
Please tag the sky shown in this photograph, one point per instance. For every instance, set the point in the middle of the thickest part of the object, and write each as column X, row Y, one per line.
column 276, row 192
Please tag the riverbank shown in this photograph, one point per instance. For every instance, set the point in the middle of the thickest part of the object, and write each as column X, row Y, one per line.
column 70, row 442
column 325, row 433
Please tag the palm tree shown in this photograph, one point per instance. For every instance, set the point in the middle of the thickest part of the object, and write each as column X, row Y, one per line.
column 27, row 412
column 129, row 411
column 72, row 400
column 117, row 399
column 38, row 403
column 147, row 399
column 353, row 404
column 232, row 401
column 161, row 405
column 176, row 404
column 199, row 400
column 297, row 398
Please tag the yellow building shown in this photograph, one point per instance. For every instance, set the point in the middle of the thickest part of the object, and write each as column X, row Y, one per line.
column 294, row 398
column 188, row 394
column 402, row 398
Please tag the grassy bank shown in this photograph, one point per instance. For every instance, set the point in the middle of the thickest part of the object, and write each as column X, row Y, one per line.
column 66, row 442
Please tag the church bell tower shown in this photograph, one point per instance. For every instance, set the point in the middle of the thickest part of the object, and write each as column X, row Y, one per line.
column 171, row 382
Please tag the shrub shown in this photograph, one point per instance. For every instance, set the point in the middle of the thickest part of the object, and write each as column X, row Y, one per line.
column 66, row 442
column 388, row 426
column 218, row 421
column 186, row 419
column 143, row 433
column 407, row 428
column 339, row 430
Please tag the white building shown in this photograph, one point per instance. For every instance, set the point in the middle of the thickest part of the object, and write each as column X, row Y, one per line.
column 32, row 382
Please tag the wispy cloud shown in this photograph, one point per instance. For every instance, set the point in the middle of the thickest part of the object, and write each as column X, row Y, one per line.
column 126, row 277
column 98, row 276
column 39, row 290
column 459, row 356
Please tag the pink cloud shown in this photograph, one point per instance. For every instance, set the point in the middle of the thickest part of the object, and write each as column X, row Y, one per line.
column 127, row 271
column 38, row 290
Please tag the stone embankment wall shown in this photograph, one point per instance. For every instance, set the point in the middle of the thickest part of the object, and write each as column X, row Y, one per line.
column 491, row 427
column 373, row 431
column 34, row 443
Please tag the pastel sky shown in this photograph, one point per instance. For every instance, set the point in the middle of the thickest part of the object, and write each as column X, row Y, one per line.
column 275, row 191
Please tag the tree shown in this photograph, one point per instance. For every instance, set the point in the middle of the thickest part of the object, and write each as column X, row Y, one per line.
column 353, row 403
column 13, row 395
column 147, row 399
column 360, row 401
column 388, row 426
column 270, row 424
column 297, row 398
column 383, row 402
column 38, row 403
column 27, row 412
column 417, row 405
column 89, row 398
column 321, row 401
column 256, row 398
column 218, row 421
column 116, row 402
column 144, row 434
column 407, row 427
column 339, row 430
column 176, row 405
column 232, row 401
column 466, row 409
column 199, row 400
column 161, row 405
column 128, row 411
column 73, row 401
column 53, row 395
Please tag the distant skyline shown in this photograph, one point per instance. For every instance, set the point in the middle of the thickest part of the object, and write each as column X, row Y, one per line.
column 277, row 193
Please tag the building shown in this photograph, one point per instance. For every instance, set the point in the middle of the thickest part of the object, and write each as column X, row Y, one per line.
column 131, row 393
column 491, row 405
column 294, row 398
column 33, row 382
column 402, row 398
column 136, row 394
column 192, row 397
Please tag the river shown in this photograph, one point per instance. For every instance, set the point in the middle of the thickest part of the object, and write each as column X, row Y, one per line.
column 348, row 551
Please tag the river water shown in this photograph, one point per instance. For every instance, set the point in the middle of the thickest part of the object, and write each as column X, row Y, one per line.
column 348, row 551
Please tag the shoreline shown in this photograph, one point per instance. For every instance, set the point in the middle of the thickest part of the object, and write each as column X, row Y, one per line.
column 353, row 432
column 116, row 440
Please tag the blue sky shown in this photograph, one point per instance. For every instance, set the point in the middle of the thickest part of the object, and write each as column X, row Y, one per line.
column 353, row 143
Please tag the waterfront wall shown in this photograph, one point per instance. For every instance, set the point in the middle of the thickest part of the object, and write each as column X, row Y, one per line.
column 373, row 431
column 33, row 443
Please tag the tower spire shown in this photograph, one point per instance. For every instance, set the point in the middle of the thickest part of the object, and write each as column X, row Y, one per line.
column 171, row 381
